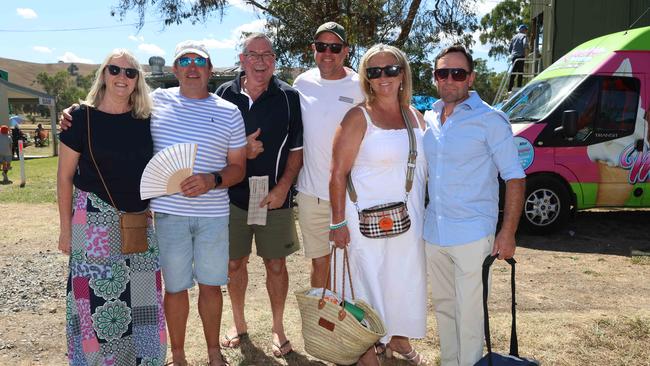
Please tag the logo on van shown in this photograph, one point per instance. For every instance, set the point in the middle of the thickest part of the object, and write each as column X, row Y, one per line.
column 526, row 152
column 638, row 162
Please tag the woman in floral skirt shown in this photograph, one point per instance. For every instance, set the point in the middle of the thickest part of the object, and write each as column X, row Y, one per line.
column 114, row 311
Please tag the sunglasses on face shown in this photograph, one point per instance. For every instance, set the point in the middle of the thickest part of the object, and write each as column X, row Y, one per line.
column 457, row 74
column 390, row 71
column 130, row 73
column 334, row 47
column 198, row 61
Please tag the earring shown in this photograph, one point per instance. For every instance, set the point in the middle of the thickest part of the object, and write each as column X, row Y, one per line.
column 401, row 87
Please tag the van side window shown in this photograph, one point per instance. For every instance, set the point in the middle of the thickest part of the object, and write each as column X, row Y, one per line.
column 586, row 104
column 607, row 108
column 618, row 106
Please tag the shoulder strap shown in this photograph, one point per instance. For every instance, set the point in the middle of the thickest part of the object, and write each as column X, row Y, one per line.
column 514, row 344
column 415, row 118
column 410, row 164
column 92, row 157
column 366, row 115
column 413, row 152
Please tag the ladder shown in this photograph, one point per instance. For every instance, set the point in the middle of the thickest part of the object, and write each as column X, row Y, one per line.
column 532, row 67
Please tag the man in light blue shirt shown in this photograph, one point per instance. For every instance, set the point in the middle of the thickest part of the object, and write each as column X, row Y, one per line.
column 467, row 144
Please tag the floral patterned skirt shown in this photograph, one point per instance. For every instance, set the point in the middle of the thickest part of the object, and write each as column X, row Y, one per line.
column 114, row 310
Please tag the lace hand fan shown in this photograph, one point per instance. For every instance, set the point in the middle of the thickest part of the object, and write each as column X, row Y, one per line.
column 166, row 170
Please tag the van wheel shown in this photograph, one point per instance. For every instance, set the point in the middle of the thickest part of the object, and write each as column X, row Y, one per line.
column 546, row 207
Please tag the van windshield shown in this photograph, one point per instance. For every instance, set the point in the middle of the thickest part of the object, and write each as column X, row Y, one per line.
column 539, row 98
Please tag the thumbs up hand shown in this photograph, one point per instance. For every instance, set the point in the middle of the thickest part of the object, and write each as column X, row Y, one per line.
column 253, row 146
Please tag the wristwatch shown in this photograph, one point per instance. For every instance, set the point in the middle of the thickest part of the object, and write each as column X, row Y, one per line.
column 217, row 179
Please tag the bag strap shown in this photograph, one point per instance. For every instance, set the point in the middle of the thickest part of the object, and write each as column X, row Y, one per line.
column 346, row 269
column 410, row 164
column 514, row 344
column 92, row 157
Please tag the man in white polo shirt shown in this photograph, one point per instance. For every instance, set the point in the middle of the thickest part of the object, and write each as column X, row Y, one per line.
column 326, row 94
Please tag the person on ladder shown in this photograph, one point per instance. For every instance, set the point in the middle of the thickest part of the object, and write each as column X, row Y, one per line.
column 517, row 50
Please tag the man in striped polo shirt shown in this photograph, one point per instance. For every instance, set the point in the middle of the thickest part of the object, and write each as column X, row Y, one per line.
column 192, row 227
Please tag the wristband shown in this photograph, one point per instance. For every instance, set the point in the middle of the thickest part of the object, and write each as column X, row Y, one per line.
column 339, row 225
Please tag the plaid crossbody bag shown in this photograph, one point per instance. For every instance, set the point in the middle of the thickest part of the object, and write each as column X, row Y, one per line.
column 388, row 219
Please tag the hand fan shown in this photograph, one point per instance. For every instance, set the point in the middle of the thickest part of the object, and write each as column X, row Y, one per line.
column 167, row 169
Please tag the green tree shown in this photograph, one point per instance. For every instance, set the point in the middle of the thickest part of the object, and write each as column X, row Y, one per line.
column 62, row 87
column 487, row 80
column 85, row 82
column 500, row 25
column 414, row 26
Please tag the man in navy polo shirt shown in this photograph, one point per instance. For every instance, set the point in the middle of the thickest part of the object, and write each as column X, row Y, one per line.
column 271, row 111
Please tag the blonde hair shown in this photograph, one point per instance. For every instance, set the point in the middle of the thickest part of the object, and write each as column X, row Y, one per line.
column 140, row 101
column 406, row 91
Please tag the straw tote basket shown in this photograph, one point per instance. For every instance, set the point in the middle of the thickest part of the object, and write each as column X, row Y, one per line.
column 332, row 333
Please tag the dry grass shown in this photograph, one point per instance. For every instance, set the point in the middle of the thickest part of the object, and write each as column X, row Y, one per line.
column 581, row 300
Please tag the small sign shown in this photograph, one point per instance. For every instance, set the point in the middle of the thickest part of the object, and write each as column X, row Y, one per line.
column 526, row 152
column 46, row 101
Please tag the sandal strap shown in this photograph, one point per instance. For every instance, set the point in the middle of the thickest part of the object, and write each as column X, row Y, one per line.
column 413, row 357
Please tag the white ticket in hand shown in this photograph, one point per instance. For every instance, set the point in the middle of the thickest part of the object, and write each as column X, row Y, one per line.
column 259, row 189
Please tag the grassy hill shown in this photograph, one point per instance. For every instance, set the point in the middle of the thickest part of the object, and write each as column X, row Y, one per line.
column 24, row 73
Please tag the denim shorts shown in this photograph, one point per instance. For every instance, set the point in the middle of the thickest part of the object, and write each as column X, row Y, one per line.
column 192, row 248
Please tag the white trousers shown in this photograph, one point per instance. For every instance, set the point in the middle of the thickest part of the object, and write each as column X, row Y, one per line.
column 457, row 293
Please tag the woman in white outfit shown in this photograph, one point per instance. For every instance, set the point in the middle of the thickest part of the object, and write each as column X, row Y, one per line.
column 372, row 145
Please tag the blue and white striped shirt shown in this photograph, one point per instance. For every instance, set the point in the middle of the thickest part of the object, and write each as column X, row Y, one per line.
column 213, row 123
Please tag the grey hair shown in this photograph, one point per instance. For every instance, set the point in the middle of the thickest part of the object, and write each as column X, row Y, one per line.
column 253, row 36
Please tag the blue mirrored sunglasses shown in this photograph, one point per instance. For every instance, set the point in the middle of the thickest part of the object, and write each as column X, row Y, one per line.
column 198, row 61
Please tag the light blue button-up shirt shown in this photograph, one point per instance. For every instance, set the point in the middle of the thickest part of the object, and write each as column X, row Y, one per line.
column 465, row 156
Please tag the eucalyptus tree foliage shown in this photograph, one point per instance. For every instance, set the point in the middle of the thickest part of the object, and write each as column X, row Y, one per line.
column 418, row 27
column 500, row 25
column 171, row 11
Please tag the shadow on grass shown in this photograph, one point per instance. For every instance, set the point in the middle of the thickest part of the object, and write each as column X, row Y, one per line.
column 613, row 232
column 249, row 354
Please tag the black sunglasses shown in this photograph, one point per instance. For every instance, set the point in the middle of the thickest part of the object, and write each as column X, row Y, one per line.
column 390, row 71
column 456, row 73
column 129, row 72
column 334, row 47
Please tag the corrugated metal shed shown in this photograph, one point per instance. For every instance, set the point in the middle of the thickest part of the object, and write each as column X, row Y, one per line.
column 564, row 24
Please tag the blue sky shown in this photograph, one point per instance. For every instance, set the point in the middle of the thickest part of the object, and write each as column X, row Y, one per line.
column 83, row 31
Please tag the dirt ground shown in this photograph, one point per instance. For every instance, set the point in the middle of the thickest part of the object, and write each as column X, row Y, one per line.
column 582, row 299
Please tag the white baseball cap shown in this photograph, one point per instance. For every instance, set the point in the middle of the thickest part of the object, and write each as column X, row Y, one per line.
column 190, row 46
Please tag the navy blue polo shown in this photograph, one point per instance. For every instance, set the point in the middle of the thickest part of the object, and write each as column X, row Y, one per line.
column 276, row 112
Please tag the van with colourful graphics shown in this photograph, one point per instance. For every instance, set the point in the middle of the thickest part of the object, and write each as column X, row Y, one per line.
column 581, row 128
